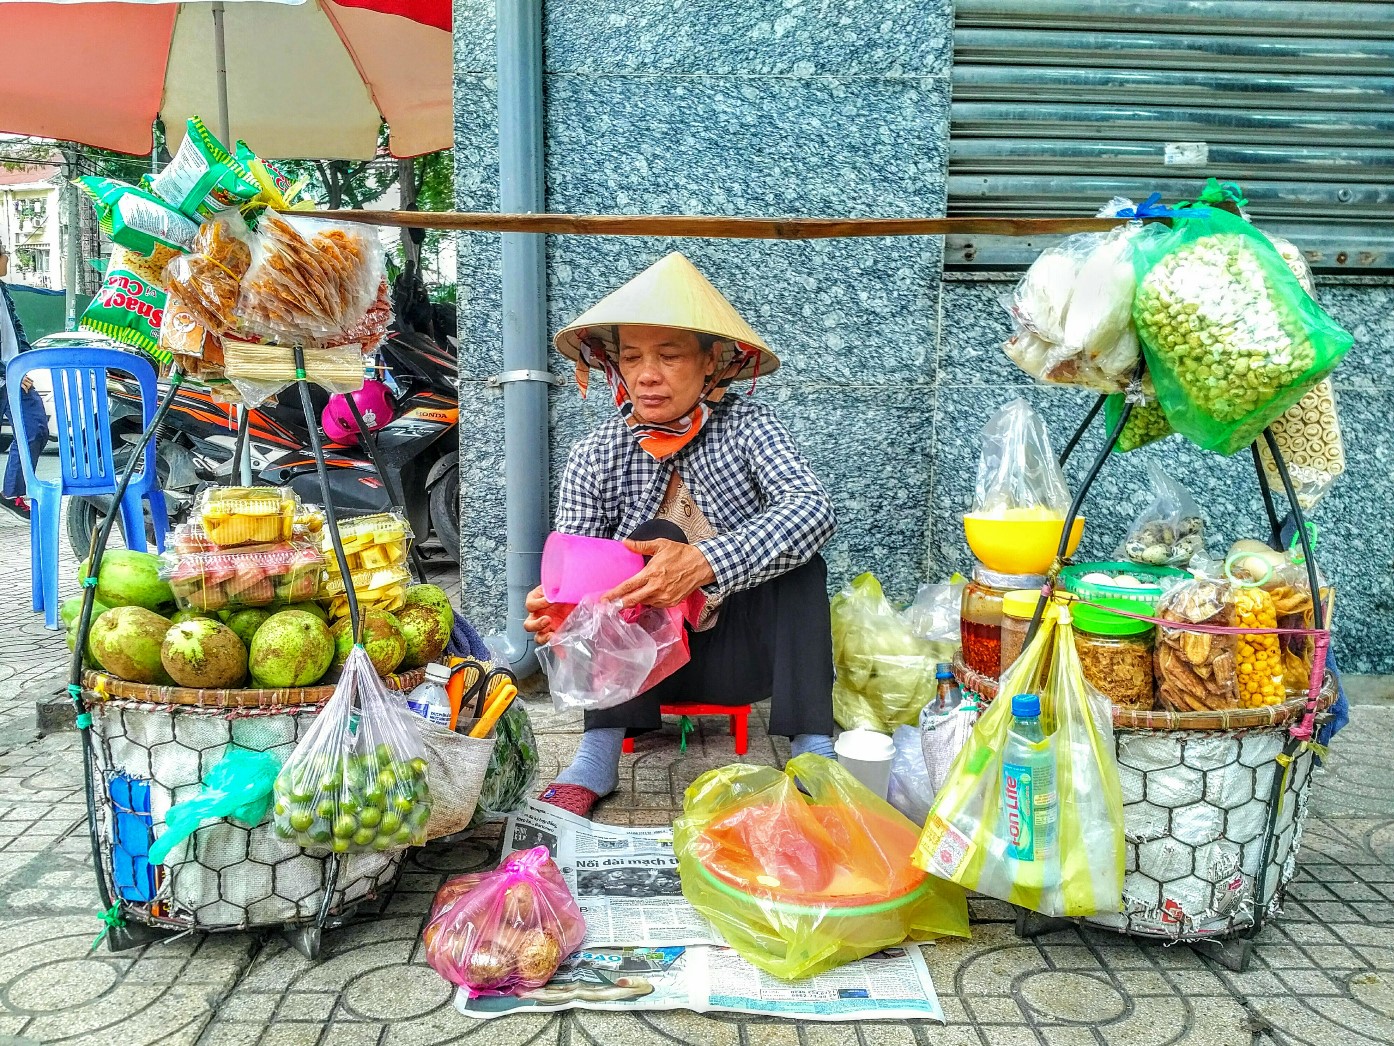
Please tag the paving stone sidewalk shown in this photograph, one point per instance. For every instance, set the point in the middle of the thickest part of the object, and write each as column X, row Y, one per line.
column 1323, row 974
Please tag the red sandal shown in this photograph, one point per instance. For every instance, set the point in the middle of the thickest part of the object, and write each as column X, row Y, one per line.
column 574, row 799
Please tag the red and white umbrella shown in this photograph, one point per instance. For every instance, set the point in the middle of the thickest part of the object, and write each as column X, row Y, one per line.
column 304, row 78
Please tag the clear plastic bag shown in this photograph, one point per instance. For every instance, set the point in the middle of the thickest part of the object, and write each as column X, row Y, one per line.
column 1231, row 338
column 1073, row 311
column 799, row 883
column 970, row 827
column 357, row 780
column 910, row 791
column 238, row 787
column 1205, row 672
column 885, row 672
column 934, row 615
column 506, row 930
column 1018, row 475
column 600, row 657
column 1169, row 531
column 208, row 280
column 1309, row 437
column 309, row 279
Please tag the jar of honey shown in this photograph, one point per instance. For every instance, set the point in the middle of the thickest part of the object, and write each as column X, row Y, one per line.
column 980, row 619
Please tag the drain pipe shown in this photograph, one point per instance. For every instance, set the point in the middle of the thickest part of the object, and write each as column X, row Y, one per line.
column 525, row 378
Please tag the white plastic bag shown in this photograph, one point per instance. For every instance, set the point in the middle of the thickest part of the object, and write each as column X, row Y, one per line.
column 910, row 790
column 600, row 658
column 934, row 615
column 1169, row 531
column 1017, row 470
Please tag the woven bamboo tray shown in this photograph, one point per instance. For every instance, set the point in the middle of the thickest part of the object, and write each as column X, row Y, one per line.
column 105, row 687
column 1165, row 719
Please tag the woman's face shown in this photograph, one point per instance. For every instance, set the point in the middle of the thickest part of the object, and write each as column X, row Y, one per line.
column 665, row 371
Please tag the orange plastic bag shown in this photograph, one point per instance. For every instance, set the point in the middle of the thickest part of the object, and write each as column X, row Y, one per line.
column 801, row 883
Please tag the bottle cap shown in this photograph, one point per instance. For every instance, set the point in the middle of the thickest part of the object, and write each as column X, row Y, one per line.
column 943, row 671
column 1026, row 706
column 437, row 674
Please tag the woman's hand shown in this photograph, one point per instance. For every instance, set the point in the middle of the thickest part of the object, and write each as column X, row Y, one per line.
column 544, row 618
column 674, row 571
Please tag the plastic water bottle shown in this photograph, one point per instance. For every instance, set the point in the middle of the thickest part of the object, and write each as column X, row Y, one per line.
column 429, row 700
column 1030, row 802
column 946, row 687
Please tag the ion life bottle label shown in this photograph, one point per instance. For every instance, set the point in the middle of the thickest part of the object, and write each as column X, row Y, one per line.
column 1019, row 811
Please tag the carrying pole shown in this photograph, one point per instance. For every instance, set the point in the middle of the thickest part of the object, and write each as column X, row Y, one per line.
column 220, row 63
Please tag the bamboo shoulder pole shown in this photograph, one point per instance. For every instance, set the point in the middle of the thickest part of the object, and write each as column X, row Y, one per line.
column 721, row 227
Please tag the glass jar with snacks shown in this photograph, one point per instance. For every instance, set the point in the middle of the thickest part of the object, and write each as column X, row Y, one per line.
column 980, row 620
column 235, row 516
column 1017, row 610
column 1116, row 655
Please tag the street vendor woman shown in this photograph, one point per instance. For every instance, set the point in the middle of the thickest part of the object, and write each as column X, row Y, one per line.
column 711, row 489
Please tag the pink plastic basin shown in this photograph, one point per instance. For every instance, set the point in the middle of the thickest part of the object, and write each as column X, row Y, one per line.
column 574, row 567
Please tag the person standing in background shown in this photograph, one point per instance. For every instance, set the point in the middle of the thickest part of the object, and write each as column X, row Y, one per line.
column 34, row 416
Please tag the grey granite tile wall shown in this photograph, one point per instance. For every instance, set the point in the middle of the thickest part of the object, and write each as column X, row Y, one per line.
column 1355, row 542
column 775, row 107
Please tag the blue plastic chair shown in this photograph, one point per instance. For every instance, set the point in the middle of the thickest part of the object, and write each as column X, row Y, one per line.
column 84, row 450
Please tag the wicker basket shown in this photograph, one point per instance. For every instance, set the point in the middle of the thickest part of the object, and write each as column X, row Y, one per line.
column 1208, row 849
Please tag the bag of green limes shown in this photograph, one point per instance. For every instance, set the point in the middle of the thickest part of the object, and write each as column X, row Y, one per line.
column 357, row 780
column 1231, row 338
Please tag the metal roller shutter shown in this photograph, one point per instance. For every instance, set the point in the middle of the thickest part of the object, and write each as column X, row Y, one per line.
column 1059, row 105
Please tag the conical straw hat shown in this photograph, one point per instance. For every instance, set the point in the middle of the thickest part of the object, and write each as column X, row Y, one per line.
column 669, row 293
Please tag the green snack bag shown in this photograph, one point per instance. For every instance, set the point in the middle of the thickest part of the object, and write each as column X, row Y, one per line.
column 137, row 220
column 130, row 306
column 1146, row 424
column 203, row 179
column 1231, row 339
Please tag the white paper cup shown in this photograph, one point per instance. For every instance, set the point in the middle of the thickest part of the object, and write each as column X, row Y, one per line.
column 867, row 755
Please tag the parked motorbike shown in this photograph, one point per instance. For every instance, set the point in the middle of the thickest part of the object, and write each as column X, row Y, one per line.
column 418, row 449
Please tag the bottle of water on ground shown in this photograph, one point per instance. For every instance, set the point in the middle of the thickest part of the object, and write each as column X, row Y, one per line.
column 1030, row 802
column 429, row 700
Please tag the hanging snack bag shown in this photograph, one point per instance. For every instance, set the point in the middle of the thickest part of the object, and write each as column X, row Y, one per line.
column 203, row 179
column 1169, row 531
column 137, row 220
column 130, row 305
column 1231, row 338
column 506, row 930
column 310, row 279
column 357, row 779
column 208, row 280
column 1309, row 438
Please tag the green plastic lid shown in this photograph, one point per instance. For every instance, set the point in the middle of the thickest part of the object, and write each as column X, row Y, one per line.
column 1100, row 622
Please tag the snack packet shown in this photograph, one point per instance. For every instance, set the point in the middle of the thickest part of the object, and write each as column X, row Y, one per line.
column 130, row 304
column 208, row 280
column 1169, row 531
column 137, row 220
column 309, row 279
column 203, row 179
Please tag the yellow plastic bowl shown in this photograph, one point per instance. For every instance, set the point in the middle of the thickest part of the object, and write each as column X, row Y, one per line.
column 1019, row 546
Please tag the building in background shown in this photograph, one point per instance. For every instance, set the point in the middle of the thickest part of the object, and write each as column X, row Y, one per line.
column 29, row 224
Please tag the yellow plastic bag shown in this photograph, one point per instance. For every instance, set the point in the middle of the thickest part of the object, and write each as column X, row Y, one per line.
column 885, row 672
column 966, row 838
column 801, row 883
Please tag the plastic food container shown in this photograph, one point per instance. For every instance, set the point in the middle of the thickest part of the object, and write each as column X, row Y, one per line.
column 1020, row 544
column 980, row 620
column 251, row 576
column 236, row 516
column 371, row 543
column 1138, row 595
column 1017, row 610
column 1116, row 655
column 383, row 589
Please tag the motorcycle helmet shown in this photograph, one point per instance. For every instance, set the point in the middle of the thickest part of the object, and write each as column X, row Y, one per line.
column 374, row 404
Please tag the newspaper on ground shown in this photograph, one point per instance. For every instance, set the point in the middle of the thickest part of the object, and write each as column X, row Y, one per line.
column 647, row 948
column 625, row 880
column 890, row 985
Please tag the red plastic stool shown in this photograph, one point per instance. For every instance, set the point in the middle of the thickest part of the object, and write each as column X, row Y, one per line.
column 737, row 714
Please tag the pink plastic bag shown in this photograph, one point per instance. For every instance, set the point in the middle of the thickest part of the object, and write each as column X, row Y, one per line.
column 506, row 930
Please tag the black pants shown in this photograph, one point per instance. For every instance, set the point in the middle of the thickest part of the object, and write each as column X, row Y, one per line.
column 772, row 641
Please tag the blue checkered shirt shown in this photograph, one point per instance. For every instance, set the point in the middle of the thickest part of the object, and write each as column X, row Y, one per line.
column 769, row 510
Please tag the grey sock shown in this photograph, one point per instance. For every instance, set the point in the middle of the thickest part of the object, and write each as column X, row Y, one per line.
column 818, row 744
column 597, row 762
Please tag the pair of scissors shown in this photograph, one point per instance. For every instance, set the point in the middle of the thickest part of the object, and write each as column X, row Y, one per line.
column 479, row 691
